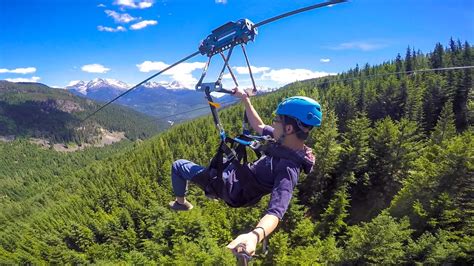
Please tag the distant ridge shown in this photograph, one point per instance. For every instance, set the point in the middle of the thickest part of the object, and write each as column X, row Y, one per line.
column 38, row 111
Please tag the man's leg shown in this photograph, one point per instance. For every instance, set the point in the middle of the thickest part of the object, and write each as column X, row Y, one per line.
column 181, row 172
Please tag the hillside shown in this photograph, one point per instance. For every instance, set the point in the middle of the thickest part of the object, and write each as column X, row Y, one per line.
column 33, row 110
column 392, row 182
column 27, row 170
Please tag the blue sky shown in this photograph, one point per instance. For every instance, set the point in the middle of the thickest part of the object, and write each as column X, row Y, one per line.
column 56, row 42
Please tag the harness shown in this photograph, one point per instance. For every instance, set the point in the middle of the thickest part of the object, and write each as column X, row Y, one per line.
column 233, row 152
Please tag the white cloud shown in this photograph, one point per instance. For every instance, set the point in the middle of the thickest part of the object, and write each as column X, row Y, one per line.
column 94, row 68
column 221, row 2
column 286, row 75
column 227, row 76
column 24, row 70
column 144, row 4
column 148, row 66
column 364, row 46
column 143, row 24
column 32, row 79
column 324, row 60
column 255, row 70
column 101, row 5
column 134, row 4
column 120, row 18
column 181, row 73
column 109, row 29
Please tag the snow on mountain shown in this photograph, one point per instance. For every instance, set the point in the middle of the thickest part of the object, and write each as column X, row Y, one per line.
column 80, row 87
column 113, row 86
column 107, row 83
column 174, row 85
column 154, row 85
column 85, row 88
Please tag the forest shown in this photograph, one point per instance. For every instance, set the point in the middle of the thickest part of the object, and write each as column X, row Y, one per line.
column 392, row 183
column 34, row 110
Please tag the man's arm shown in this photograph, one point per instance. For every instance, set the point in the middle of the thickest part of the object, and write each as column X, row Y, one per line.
column 286, row 180
column 254, row 119
column 268, row 223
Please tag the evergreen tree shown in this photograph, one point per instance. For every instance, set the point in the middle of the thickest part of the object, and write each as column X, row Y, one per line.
column 408, row 60
column 316, row 189
column 332, row 221
column 444, row 128
column 382, row 241
column 462, row 92
column 399, row 66
column 436, row 58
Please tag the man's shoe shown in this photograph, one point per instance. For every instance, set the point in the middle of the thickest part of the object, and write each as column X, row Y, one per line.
column 186, row 206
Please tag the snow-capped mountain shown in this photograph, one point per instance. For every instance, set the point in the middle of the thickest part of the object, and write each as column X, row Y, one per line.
column 153, row 98
column 174, row 85
column 85, row 88
column 113, row 86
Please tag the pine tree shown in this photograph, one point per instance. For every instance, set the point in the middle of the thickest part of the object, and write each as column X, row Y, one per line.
column 444, row 128
column 398, row 66
column 436, row 58
column 382, row 241
column 332, row 221
column 462, row 92
column 408, row 60
column 316, row 188
column 355, row 150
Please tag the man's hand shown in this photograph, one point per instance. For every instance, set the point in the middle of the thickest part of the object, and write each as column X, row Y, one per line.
column 244, row 243
column 240, row 93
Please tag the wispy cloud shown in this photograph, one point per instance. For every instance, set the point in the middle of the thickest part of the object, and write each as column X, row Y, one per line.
column 120, row 18
column 134, row 4
column 32, row 79
column 324, row 60
column 255, row 70
column 182, row 72
column 286, row 75
column 227, row 76
column 95, row 68
column 221, row 2
column 109, row 29
column 359, row 45
column 142, row 24
column 101, row 5
column 24, row 70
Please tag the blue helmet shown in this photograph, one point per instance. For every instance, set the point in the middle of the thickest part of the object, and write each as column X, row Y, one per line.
column 304, row 109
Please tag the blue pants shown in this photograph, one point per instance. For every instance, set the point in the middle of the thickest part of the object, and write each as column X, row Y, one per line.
column 183, row 171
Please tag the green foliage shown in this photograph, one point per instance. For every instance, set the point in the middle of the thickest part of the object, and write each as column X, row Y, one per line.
column 442, row 247
column 382, row 241
column 332, row 220
column 445, row 128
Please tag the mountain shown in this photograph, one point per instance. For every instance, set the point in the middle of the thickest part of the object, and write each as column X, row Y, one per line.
column 54, row 115
column 99, row 89
column 158, row 99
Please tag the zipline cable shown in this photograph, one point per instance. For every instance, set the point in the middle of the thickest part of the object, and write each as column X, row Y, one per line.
column 294, row 12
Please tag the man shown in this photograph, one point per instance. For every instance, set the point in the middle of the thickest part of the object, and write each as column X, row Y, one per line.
column 276, row 174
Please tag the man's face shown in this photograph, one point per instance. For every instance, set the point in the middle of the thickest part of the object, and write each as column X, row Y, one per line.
column 277, row 124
